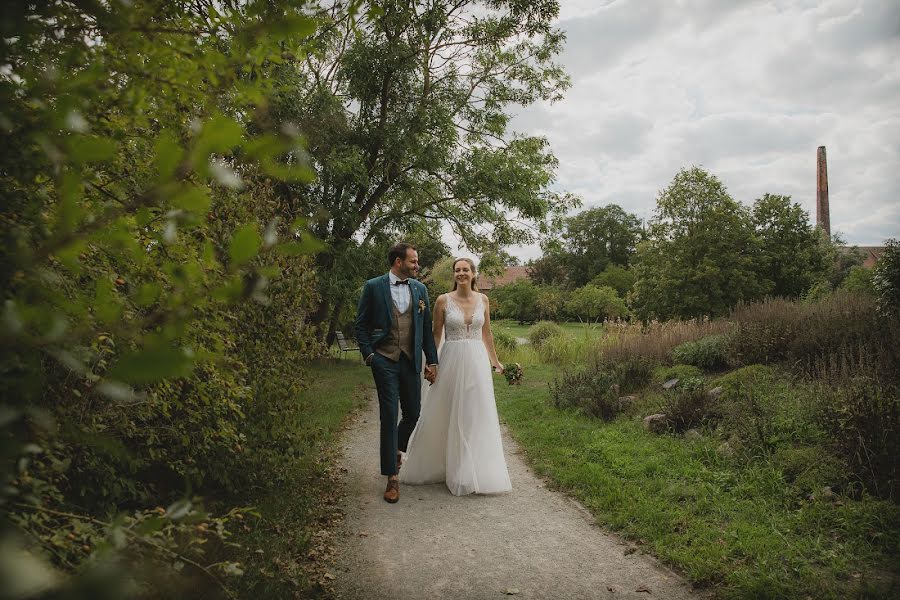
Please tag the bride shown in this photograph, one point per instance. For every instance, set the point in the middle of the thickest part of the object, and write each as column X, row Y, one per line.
column 457, row 438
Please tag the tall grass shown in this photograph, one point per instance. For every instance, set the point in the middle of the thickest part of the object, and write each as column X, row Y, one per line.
column 654, row 341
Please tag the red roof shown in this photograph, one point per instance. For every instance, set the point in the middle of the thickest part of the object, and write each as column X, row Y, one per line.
column 511, row 274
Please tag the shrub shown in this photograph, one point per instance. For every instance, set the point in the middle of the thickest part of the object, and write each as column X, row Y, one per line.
column 504, row 340
column 653, row 340
column 688, row 405
column 633, row 373
column 594, row 392
column 542, row 331
column 886, row 278
column 709, row 353
column 663, row 374
column 862, row 417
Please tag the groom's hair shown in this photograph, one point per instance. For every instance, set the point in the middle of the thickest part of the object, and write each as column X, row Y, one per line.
column 398, row 251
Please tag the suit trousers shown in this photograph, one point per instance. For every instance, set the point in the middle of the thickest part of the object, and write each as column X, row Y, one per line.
column 399, row 388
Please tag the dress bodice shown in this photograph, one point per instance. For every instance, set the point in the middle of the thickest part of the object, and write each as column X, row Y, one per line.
column 456, row 325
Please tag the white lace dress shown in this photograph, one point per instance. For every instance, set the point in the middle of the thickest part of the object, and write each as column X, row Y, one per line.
column 457, row 438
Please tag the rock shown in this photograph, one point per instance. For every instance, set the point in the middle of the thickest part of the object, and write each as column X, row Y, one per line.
column 656, row 423
column 693, row 434
column 670, row 384
column 725, row 449
column 714, row 393
column 614, row 388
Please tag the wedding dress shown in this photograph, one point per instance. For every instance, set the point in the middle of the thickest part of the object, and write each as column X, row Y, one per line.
column 457, row 438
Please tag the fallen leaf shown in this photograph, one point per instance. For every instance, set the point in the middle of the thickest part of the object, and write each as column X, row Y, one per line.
column 511, row 591
column 329, row 576
column 643, row 589
column 630, row 550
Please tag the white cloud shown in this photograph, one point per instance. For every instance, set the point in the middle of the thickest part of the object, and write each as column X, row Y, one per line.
column 748, row 90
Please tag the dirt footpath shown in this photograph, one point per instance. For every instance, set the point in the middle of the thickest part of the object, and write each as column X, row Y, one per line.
column 529, row 543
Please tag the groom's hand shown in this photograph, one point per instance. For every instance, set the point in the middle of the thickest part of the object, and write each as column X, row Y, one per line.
column 431, row 373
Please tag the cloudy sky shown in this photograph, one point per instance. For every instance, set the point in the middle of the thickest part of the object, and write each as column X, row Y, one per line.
column 746, row 89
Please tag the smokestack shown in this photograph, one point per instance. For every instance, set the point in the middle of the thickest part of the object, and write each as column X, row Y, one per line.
column 823, row 215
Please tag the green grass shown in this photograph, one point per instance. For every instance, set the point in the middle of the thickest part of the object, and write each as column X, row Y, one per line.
column 292, row 512
column 739, row 529
column 581, row 329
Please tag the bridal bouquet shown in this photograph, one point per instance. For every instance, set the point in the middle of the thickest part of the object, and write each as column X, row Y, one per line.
column 513, row 374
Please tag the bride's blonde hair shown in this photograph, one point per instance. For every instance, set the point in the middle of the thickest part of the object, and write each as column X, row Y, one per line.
column 474, row 273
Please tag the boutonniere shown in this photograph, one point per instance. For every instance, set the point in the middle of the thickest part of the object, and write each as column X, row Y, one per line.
column 421, row 306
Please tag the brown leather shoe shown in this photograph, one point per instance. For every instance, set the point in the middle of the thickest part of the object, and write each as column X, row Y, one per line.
column 392, row 492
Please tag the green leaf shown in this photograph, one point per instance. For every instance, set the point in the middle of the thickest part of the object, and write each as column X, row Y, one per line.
column 168, row 154
column 106, row 308
column 308, row 245
column 70, row 211
column 147, row 294
column 219, row 134
column 89, row 148
column 151, row 525
column 245, row 244
column 192, row 199
column 151, row 365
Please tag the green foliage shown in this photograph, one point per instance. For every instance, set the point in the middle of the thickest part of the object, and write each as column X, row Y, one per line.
column 551, row 269
column 550, row 302
column 594, row 392
column 688, row 405
column 709, row 353
column 143, row 255
column 859, row 280
column 886, row 279
column 701, row 256
column 503, row 340
column 516, row 300
column 617, row 277
column 542, row 331
column 863, row 418
column 663, row 374
column 793, row 256
column 406, row 118
column 592, row 303
column 596, row 239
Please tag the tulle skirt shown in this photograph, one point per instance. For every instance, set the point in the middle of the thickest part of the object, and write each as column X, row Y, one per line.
column 457, row 438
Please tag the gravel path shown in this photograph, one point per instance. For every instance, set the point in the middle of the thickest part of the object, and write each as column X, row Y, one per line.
column 530, row 543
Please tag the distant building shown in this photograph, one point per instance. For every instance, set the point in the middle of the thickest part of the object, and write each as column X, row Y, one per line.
column 486, row 284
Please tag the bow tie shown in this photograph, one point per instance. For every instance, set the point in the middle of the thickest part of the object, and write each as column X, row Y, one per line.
column 402, row 282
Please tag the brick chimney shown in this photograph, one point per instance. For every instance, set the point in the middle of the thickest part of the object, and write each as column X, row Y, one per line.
column 823, row 215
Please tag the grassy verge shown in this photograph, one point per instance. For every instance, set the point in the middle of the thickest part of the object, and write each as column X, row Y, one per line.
column 734, row 526
column 282, row 547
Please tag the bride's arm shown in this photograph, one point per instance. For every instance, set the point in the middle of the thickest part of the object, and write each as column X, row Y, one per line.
column 488, row 337
column 437, row 324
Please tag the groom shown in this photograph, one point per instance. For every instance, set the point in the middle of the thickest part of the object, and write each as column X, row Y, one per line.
column 393, row 328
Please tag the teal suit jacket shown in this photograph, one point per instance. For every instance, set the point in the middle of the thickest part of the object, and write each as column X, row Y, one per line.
column 375, row 317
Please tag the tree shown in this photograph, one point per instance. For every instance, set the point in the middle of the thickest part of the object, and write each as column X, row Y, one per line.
column 593, row 303
column 597, row 238
column 550, row 302
column 550, row 269
column 616, row 277
column 407, row 118
column 701, row 256
column 141, row 252
column 791, row 256
column 516, row 300
column 886, row 279
column 859, row 280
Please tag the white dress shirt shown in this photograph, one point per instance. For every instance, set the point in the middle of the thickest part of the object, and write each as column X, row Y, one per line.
column 401, row 294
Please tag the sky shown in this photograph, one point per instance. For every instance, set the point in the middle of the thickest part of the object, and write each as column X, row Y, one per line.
column 748, row 90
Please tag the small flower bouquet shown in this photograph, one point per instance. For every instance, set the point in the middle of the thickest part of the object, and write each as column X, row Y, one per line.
column 513, row 374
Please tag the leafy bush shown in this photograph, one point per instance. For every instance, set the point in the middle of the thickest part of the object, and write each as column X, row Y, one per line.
column 688, row 405
column 542, row 331
column 886, row 279
column 504, row 340
column 595, row 392
column 709, row 353
column 862, row 417
column 663, row 374
column 633, row 373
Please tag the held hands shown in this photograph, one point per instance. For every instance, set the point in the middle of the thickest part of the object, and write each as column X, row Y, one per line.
column 498, row 368
column 431, row 373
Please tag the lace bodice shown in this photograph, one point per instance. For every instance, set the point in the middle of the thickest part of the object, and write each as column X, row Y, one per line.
column 455, row 325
